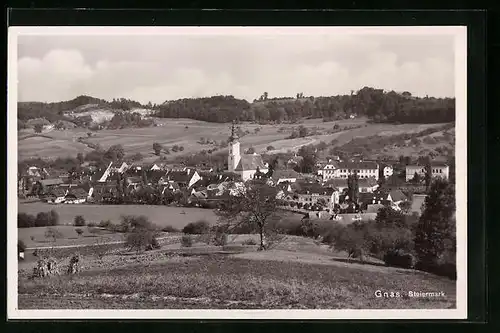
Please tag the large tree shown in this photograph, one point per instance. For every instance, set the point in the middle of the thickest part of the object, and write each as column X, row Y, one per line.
column 255, row 207
column 353, row 187
column 435, row 232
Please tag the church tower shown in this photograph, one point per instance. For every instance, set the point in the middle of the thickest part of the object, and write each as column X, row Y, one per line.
column 234, row 150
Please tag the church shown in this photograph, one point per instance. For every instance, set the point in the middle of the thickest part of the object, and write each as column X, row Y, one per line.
column 246, row 165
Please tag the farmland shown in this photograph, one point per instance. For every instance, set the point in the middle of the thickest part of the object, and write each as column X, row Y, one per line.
column 305, row 277
column 187, row 133
column 162, row 216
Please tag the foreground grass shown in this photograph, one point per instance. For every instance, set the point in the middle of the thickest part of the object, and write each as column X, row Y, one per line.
column 224, row 282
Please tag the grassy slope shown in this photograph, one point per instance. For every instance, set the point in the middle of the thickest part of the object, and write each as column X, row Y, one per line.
column 174, row 131
column 227, row 282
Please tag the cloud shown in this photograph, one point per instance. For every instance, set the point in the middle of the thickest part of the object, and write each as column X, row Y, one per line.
column 149, row 68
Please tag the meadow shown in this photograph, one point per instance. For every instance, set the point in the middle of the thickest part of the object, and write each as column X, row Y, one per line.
column 226, row 281
column 187, row 133
column 162, row 216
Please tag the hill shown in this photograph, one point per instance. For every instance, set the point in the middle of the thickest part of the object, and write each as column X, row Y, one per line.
column 198, row 136
column 66, row 110
column 297, row 274
column 375, row 104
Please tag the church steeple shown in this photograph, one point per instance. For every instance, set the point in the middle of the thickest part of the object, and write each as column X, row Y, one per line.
column 234, row 136
column 234, row 149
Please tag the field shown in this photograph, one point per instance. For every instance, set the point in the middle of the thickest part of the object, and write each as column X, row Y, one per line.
column 177, row 217
column 187, row 132
column 298, row 275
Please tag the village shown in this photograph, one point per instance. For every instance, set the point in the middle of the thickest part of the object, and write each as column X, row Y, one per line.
column 342, row 190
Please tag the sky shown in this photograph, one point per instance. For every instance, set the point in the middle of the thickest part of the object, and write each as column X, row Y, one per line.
column 157, row 68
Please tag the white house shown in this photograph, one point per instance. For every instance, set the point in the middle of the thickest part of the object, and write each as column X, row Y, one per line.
column 246, row 165
column 438, row 170
column 345, row 169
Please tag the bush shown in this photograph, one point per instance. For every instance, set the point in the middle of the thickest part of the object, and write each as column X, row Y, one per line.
column 220, row 239
column 79, row 231
column 250, row 241
column 79, row 221
column 25, row 220
column 53, row 233
column 270, row 148
column 21, row 247
column 169, row 228
column 186, row 241
column 105, row 224
column 91, row 224
column 399, row 258
column 140, row 239
column 197, row 228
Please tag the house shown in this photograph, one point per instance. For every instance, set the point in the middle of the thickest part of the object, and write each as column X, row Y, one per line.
column 362, row 169
column 156, row 177
column 312, row 193
column 102, row 175
column 281, row 176
column 56, row 195
column 366, row 169
column 366, row 199
column 367, row 185
column 396, row 197
column 185, row 179
column 76, row 196
column 438, row 170
column 338, row 183
column 48, row 184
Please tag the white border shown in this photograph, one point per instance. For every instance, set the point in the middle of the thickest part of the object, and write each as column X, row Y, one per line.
column 460, row 33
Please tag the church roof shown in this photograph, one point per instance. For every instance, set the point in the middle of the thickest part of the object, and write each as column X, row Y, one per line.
column 250, row 162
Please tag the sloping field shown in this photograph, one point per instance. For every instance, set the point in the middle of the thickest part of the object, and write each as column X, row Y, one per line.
column 187, row 133
column 218, row 281
column 160, row 215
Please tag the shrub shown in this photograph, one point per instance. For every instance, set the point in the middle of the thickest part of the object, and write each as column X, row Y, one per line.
column 220, row 238
column 105, row 224
column 270, row 148
column 169, row 228
column 197, row 228
column 79, row 221
column 139, row 239
column 79, row 231
column 25, row 220
column 250, row 241
column 91, row 224
column 186, row 241
column 53, row 233
column 399, row 258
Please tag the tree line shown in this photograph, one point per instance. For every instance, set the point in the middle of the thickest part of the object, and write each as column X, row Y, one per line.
column 377, row 105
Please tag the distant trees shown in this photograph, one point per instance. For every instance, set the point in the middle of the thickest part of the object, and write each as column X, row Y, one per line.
column 250, row 150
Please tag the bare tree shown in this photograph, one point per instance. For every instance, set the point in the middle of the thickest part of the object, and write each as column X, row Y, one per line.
column 253, row 208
